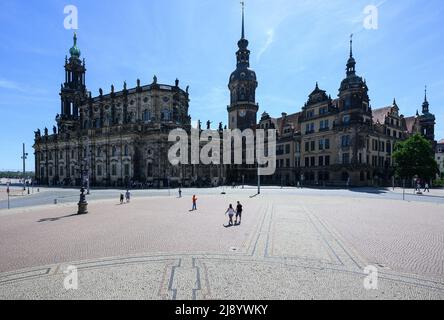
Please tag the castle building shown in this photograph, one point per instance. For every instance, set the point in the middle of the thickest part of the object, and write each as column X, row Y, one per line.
column 343, row 141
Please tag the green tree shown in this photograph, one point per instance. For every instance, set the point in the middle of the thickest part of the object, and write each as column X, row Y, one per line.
column 415, row 157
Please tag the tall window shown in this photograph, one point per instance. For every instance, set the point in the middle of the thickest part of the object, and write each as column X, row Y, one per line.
column 166, row 115
column 324, row 125
column 346, row 158
column 146, row 116
column 114, row 151
column 114, row 170
column 327, row 160
column 126, row 151
column 346, row 141
column 321, row 144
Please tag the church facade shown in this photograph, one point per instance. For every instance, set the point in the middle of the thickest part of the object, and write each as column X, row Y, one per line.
column 115, row 139
column 121, row 138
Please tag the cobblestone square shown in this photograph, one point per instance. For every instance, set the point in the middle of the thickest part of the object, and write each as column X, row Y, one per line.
column 291, row 245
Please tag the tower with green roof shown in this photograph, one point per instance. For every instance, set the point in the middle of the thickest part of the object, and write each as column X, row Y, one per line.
column 73, row 90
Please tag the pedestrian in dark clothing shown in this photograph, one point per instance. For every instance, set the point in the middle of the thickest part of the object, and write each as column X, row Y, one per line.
column 239, row 210
column 121, row 198
column 180, row 192
column 194, row 203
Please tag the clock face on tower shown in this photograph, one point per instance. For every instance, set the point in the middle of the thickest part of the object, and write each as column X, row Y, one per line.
column 243, row 113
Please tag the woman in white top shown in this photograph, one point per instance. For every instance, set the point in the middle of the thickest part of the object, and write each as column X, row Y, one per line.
column 230, row 213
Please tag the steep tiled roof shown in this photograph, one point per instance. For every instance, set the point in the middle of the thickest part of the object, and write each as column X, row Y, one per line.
column 292, row 119
column 410, row 122
column 380, row 114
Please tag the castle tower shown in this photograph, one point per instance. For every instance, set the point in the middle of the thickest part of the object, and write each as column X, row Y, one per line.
column 427, row 121
column 354, row 102
column 242, row 112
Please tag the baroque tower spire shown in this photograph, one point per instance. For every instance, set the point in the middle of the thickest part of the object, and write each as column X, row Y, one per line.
column 351, row 63
column 242, row 84
column 425, row 105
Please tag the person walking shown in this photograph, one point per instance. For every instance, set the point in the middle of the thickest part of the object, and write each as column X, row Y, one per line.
column 427, row 188
column 128, row 196
column 239, row 209
column 121, row 198
column 230, row 213
column 194, row 203
column 180, row 192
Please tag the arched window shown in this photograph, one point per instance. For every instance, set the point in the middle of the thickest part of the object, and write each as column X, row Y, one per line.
column 166, row 115
column 242, row 95
column 114, row 151
column 149, row 169
column 146, row 116
column 175, row 114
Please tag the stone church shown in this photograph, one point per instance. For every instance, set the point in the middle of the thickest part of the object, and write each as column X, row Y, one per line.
column 115, row 139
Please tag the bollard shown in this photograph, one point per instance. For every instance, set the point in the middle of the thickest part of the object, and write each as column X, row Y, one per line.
column 83, row 205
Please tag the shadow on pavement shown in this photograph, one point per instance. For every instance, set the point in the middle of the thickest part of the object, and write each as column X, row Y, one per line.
column 56, row 219
column 369, row 190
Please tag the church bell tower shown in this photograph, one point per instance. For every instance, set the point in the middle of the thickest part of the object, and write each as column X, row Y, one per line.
column 73, row 90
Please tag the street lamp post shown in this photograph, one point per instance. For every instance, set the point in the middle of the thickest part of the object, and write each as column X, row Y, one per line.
column 24, row 157
column 7, row 191
column 258, row 179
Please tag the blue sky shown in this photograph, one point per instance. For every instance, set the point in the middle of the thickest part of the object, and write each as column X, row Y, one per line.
column 293, row 44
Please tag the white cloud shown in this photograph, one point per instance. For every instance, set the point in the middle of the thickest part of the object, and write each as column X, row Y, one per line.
column 9, row 85
column 268, row 42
